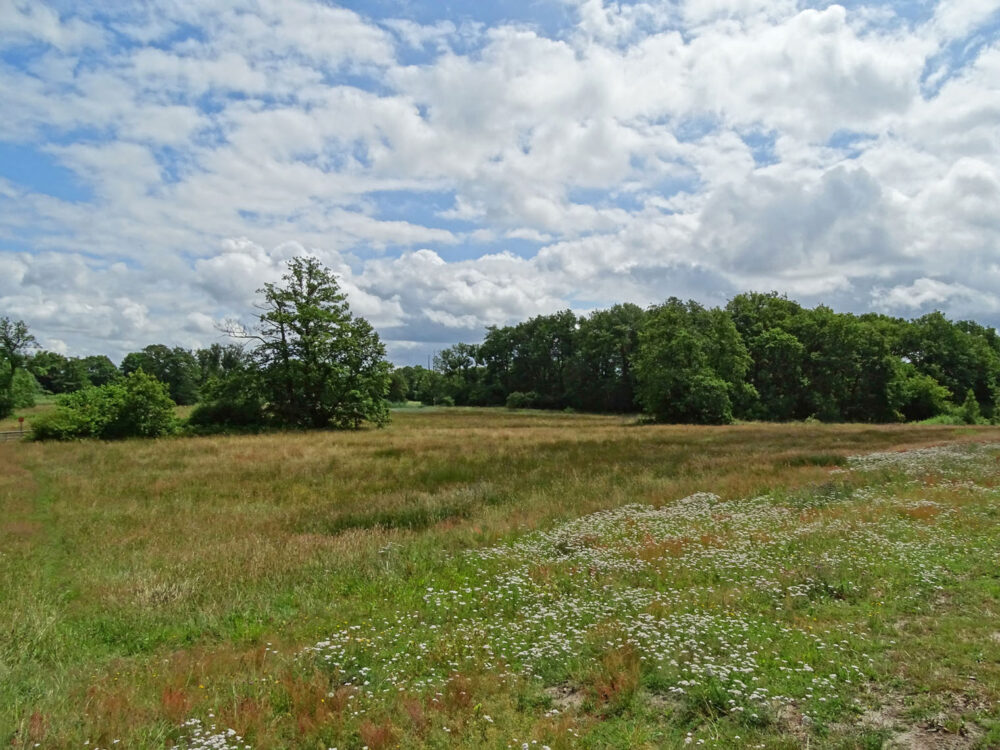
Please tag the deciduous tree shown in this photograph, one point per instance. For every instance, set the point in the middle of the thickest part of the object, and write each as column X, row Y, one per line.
column 319, row 365
column 15, row 342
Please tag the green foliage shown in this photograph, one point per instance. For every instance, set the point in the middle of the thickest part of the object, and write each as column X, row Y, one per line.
column 948, row 418
column 848, row 366
column 24, row 389
column 227, row 416
column 706, row 400
column 57, row 373
column 319, row 365
column 763, row 357
column 538, row 355
column 138, row 406
column 146, row 409
column 100, row 370
column 691, row 362
column 519, row 400
column 175, row 367
column 416, row 383
column 916, row 396
column 15, row 342
column 607, row 343
column 969, row 412
column 960, row 356
column 232, row 403
column 399, row 387
column 219, row 361
column 458, row 366
column 81, row 417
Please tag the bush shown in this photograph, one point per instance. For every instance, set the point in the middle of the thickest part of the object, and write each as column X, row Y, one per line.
column 519, row 400
column 146, row 409
column 226, row 416
column 948, row 419
column 232, row 404
column 707, row 401
column 969, row 412
column 139, row 406
column 63, row 424
column 915, row 396
column 80, row 414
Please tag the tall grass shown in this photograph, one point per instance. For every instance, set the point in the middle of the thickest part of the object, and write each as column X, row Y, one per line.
column 146, row 584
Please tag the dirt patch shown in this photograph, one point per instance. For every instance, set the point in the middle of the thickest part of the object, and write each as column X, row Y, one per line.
column 945, row 731
column 921, row 738
column 20, row 528
column 666, row 704
column 791, row 721
column 565, row 698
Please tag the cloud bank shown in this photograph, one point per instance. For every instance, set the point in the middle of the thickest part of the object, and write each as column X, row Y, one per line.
column 159, row 163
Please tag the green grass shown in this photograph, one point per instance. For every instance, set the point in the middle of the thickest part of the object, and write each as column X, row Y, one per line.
column 42, row 405
column 486, row 578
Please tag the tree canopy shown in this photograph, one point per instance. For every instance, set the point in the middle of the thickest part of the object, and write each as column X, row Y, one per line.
column 318, row 365
column 15, row 342
column 173, row 366
column 762, row 356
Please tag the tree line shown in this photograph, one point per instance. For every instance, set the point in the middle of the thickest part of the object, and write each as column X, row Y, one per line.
column 185, row 372
column 307, row 362
column 761, row 357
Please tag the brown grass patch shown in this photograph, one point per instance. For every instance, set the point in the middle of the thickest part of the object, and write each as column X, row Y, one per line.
column 653, row 549
column 175, row 704
column 418, row 716
column 377, row 736
column 922, row 512
column 616, row 680
column 21, row 529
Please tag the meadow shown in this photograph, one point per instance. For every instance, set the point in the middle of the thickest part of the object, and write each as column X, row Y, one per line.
column 494, row 579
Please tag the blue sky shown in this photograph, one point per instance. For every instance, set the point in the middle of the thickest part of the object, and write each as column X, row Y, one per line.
column 462, row 164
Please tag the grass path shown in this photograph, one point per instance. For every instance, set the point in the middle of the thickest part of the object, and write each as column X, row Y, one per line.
column 500, row 578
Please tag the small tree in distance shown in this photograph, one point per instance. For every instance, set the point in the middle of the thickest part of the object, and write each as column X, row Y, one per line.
column 319, row 366
column 15, row 341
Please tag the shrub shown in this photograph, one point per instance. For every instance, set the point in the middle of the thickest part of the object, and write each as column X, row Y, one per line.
column 519, row 400
column 706, row 401
column 63, row 424
column 947, row 418
column 225, row 416
column 232, row 404
column 138, row 406
column 146, row 409
column 916, row 396
column 969, row 412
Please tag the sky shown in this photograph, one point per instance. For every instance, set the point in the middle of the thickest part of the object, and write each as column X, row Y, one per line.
column 461, row 163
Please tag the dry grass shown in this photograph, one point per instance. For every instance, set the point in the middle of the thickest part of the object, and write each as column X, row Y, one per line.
column 140, row 581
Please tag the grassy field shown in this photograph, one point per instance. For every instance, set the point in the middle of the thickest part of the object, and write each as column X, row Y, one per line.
column 42, row 405
column 481, row 578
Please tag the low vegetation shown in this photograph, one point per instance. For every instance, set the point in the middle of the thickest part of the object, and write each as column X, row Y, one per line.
column 136, row 406
column 488, row 578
